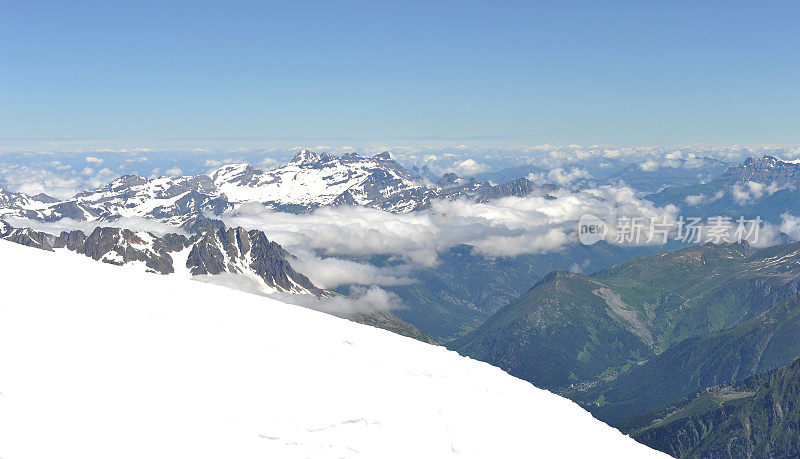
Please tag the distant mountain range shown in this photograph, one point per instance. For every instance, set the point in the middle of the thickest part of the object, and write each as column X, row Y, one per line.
column 308, row 181
column 652, row 177
column 765, row 187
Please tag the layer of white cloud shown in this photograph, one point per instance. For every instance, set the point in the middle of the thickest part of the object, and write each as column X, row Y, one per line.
column 503, row 227
column 329, row 273
column 67, row 224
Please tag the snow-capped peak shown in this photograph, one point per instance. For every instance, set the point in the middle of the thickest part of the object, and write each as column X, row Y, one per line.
column 231, row 172
column 305, row 156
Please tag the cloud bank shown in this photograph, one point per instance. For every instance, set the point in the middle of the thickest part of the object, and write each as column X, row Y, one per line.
column 504, row 227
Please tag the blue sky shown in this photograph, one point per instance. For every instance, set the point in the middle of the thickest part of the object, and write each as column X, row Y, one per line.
column 551, row 72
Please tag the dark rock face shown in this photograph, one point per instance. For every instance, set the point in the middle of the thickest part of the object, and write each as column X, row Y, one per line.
column 72, row 241
column 449, row 179
column 5, row 228
column 121, row 246
column 270, row 260
column 30, row 238
column 207, row 256
column 235, row 249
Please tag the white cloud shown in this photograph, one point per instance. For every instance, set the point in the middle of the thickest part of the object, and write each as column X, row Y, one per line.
column 648, row 166
column 94, row 160
column 361, row 300
column 562, row 177
column 35, row 180
column 469, row 167
column 752, row 191
column 175, row 171
column 790, row 225
column 212, row 163
column 141, row 159
column 102, row 177
column 331, row 272
column 697, row 199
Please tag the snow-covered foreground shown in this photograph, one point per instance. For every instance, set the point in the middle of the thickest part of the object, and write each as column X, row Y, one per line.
column 101, row 362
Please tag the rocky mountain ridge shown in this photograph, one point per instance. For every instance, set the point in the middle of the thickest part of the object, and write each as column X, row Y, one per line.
column 209, row 252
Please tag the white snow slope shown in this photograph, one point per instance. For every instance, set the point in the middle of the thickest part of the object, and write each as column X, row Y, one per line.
column 98, row 362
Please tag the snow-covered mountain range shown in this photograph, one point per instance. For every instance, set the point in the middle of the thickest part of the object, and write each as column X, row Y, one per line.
column 308, row 181
column 172, row 368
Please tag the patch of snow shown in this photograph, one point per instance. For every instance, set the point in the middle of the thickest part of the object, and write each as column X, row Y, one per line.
column 105, row 363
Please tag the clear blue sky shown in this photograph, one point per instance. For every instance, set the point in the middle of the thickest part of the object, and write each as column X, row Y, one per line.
column 559, row 72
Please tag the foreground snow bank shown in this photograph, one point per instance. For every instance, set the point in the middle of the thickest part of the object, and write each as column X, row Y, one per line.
column 101, row 362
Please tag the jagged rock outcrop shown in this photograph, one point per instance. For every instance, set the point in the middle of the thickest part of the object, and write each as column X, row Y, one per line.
column 210, row 252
